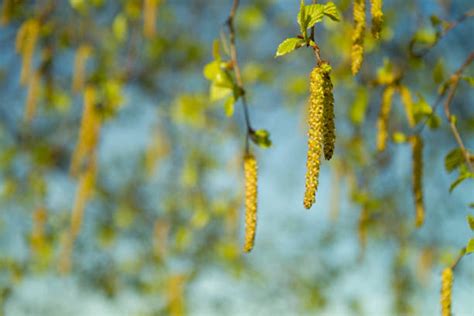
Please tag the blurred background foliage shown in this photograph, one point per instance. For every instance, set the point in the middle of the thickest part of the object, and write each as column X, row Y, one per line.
column 121, row 186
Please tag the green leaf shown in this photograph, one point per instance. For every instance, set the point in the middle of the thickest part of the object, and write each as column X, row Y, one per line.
column 261, row 138
column 120, row 27
column 289, row 45
column 453, row 159
column 218, row 92
column 460, row 179
column 470, row 246
column 439, row 72
column 229, row 106
column 469, row 80
column 314, row 14
column 301, row 18
column 331, row 11
column 470, row 221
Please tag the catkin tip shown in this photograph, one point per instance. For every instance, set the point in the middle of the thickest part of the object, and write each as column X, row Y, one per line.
column 446, row 290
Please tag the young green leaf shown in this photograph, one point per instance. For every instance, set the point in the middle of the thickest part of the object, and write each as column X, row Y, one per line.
column 301, row 19
column 460, row 179
column 470, row 221
column 453, row 159
column 261, row 137
column 470, row 246
column 330, row 10
column 289, row 45
column 229, row 106
column 399, row 138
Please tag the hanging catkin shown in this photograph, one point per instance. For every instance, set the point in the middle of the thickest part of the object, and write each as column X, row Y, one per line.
column 250, row 170
column 175, row 295
column 382, row 120
column 358, row 34
column 407, row 101
column 26, row 39
column 6, row 12
column 149, row 17
column 377, row 17
column 315, row 134
column 78, row 79
column 84, row 191
column 89, row 130
column 37, row 234
column 32, row 97
column 417, row 157
column 446, row 289
column 329, row 128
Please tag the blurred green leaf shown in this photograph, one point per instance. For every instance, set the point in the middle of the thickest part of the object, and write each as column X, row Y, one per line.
column 453, row 159
column 359, row 107
column 261, row 138
column 470, row 246
column 460, row 179
column 470, row 221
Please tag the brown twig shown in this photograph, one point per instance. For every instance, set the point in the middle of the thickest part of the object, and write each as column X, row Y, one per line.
column 447, row 111
column 236, row 68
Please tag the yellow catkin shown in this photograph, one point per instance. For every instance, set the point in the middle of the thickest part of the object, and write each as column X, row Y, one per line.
column 32, row 97
column 89, row 131
column 329, row 127
column 26, row 39
column 161, row 230
column 250, row 170
column 377, row 17
column 358, row 34
column 315, row 135
column 84, row 191
column 407, row 101
column 37, row 234
column 425, row 264
column 149, row 17
column 158, row 148
column 6, row 12
column 80, row 60
column 417, row 157
column 382, row 120
column 446, row 290
column 175, row 294
column 362, row 229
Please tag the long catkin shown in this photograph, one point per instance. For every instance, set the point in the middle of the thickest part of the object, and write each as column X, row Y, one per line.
column 377, row 17
column 315, row 135
column 32, row 97
column 26, row 39
column 250, row 170
column 446, row 290
column 149, row 17
column 329, row 128
column 89, row 130
column 78, row 79
column 358, row 34
column 382, row 120
column 417, row 157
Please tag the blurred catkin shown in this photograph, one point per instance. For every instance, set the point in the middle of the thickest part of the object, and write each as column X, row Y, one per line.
column 32, row 97
column 250, row 170
column 89, row 131
column 446, row 290
column 407, row 102
column 382, row 120
column 417, row 157
column 377, row 17
column 26, row 39
column 149, row 17
column 6, row 12
column 358, row 34
column 315, row 135
column 78, row 79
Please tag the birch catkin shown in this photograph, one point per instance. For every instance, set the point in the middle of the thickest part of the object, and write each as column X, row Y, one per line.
column 26, row 40
column 358, row 34
column 315, row 135
column 377, row 17
column 382, row 120
column 407, row 101
column 250, row 170
column 329, row 128
column 89, row 130
column 32, row 97
column 82, row 53
column 149, row 17
column 446, row 290
column 417, row 157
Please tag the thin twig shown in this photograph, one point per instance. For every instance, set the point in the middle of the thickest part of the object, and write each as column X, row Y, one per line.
column 450, row 26
column 235, row 65
column 447, row 111
column 461, row 254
